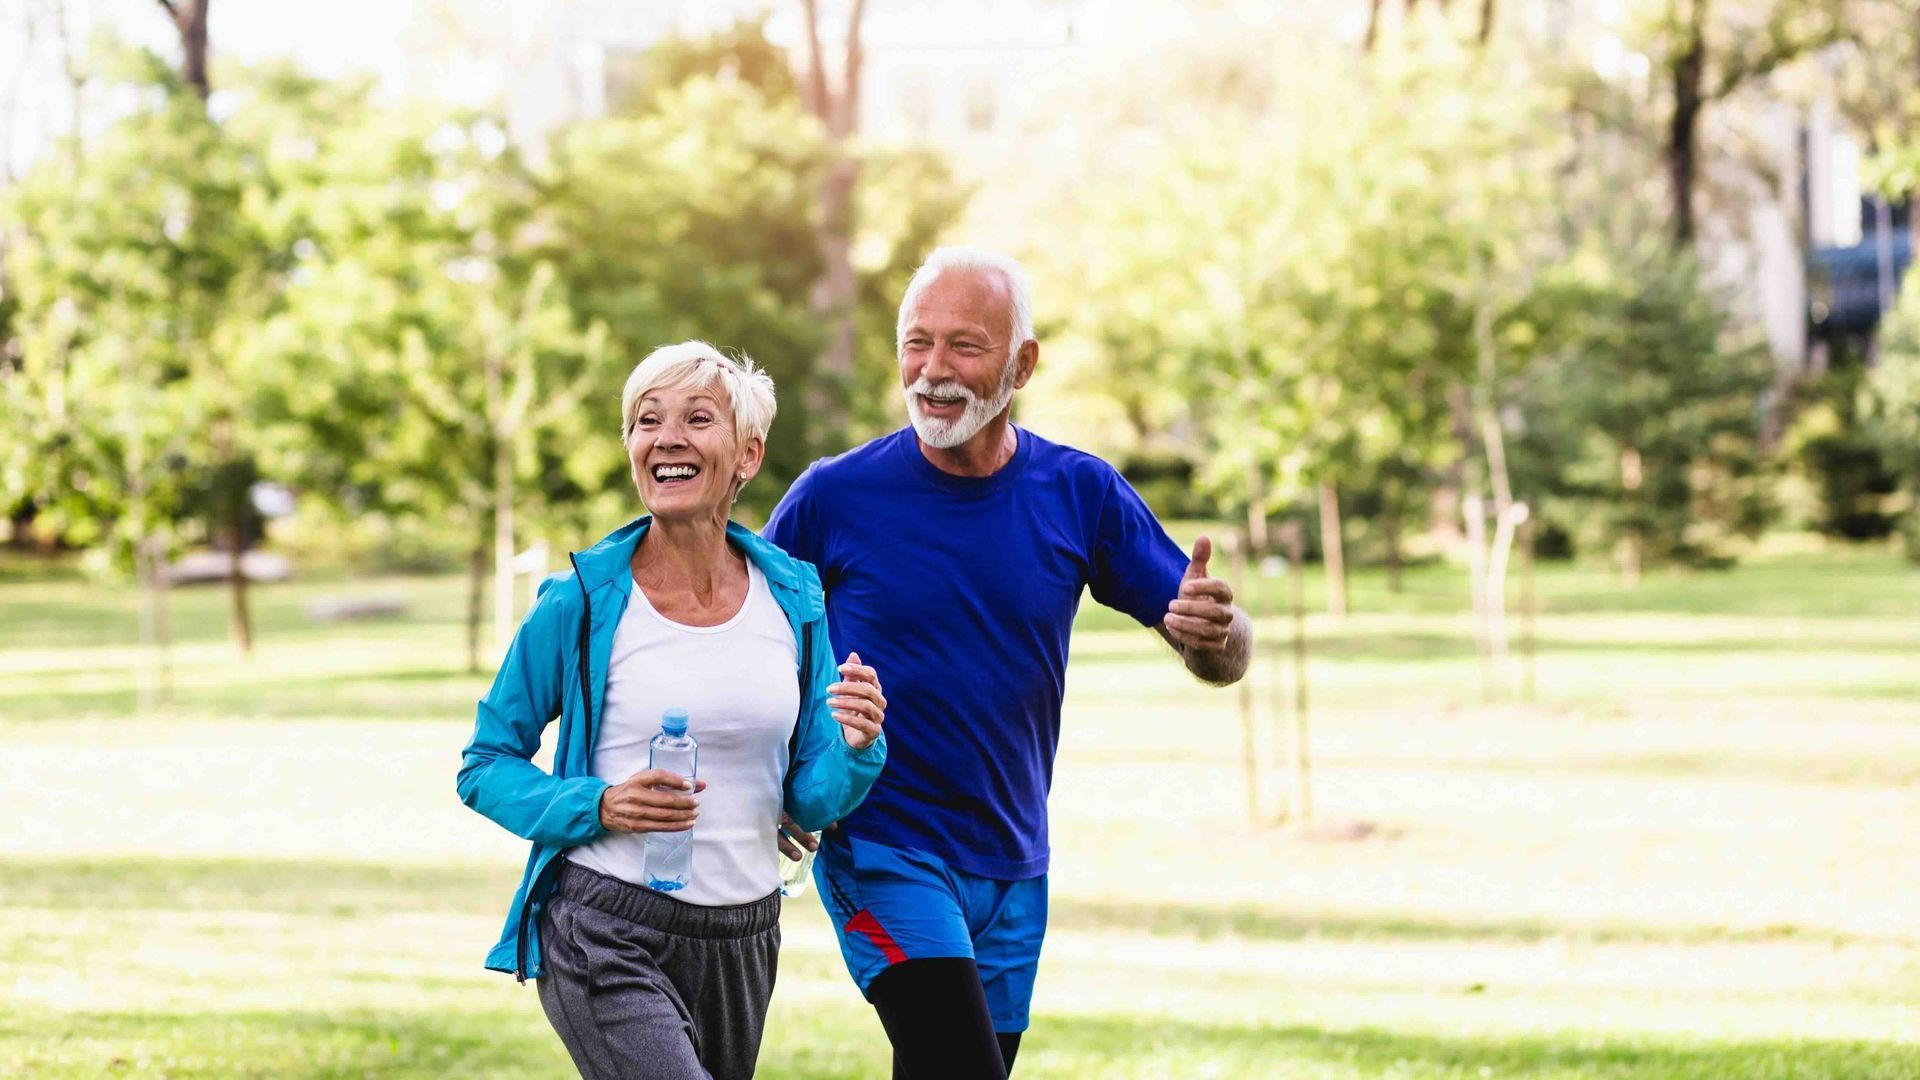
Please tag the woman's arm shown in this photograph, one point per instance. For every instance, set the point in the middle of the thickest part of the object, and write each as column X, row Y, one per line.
column 829, row 776
column 497, row 775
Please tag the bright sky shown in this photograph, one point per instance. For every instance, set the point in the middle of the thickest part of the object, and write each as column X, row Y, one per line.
column 330, row 38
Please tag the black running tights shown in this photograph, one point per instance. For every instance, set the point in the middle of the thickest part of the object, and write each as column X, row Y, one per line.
column 935, row 1013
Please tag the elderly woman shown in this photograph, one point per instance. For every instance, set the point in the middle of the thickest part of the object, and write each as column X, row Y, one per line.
column 680, row 610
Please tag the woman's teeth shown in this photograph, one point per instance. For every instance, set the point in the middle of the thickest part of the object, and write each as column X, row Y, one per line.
column 674, row 472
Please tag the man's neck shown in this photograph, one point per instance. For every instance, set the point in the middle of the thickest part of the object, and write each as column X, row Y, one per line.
column 983, row 455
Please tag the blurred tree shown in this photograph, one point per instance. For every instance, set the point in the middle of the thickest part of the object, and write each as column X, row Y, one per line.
column 189, row 18
column 1708, row 50
column 741, row 53
column 693, row 220
column 698, row 218
column 1891, row 405
column 1831, row 443
column 1440, row 13
column 834, row 98
column 1650, row 413
column 428, row 364
column 138, row 274
column 907, row 198
column 1315, row 287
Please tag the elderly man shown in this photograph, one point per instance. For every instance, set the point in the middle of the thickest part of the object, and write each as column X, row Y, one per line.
column 954, row 553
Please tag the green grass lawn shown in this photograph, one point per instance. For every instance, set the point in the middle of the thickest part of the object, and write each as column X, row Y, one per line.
column 1692, row 856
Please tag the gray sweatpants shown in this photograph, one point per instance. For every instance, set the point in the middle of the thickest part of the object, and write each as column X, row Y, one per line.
column 639, row 984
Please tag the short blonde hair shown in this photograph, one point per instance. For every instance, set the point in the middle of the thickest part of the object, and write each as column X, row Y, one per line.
column 746, row 387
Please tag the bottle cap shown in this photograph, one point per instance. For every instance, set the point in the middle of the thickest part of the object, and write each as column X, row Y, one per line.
column 674, row 721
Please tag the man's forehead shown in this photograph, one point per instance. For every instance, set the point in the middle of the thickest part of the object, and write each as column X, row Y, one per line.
column 966, row 296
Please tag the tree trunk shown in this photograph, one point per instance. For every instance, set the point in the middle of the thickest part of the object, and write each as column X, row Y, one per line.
column 503, row 615
column 476, row 573
column 1633, row 544
column 1256, row 513
column 835, row 295
column 1301, row 809
column 1390, row 525
column 1373, row 26
column 1527, row 611
column 1249, row 752
column 1509, row 519
column 239, row 617
column 76, row 80
column 1689, row 69
column 1476, row 522
column 156, row 626
column 1332, row 549
column 1391, row 492
column 1486, row 21
column 190, row 21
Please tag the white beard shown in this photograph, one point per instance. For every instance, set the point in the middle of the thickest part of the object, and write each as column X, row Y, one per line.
column 947, row 434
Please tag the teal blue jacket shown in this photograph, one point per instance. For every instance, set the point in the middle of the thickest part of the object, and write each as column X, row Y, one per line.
column 544, row 676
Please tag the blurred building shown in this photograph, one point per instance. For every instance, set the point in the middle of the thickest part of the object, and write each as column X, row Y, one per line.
column 1807, row 253
column 1858, row 244
column 942, row 73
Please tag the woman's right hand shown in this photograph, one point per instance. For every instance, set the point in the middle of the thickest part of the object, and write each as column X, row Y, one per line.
column 651, row 800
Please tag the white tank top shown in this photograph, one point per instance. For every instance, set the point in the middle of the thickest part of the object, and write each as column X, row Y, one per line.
column 740, row 685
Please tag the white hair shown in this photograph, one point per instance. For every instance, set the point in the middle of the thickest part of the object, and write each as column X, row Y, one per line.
column 746, row 387
column 975, row 260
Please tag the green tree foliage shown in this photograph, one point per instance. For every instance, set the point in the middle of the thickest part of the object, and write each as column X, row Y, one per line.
column 636, row 81
column 1647, row 421
column 1891, row 405
column 388, row 308
column 691, row 221
column 1298, row 285
column 427, row 364
column 1831, row 446
column 696, row 219
column 140, row 274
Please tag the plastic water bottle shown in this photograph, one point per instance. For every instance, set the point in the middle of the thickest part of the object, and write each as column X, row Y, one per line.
column 669, row 855
column 795, row 875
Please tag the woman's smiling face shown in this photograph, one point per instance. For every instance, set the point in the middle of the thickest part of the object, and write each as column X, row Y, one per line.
column 687, row 461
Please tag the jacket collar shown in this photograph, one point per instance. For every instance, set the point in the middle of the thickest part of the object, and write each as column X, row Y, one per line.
column 609, row 561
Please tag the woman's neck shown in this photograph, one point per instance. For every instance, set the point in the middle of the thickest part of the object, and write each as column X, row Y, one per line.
column 687, row 555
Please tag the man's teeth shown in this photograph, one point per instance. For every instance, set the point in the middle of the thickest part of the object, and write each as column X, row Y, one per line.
column 673, row 472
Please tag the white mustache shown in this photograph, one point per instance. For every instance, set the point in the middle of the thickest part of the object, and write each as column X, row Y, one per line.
column 946, row 389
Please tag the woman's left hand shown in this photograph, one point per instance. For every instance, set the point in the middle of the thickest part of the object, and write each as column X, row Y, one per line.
column 857, row 703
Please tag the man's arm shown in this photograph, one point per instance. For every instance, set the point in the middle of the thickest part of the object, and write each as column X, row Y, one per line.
column 1214, row 638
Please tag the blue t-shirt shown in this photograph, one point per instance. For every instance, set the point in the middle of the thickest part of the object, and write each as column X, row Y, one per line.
column 961, row 592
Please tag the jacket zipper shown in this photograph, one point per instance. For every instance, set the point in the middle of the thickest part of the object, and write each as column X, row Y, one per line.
column 586, row 705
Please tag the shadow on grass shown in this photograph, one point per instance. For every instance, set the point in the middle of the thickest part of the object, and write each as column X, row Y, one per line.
column 515, row 1041
column 338, row 887
column 1252, row 923
column 444, row 693
column 80, row 614
column 1441, row 645
column 292, row 886
column 1094, row 1046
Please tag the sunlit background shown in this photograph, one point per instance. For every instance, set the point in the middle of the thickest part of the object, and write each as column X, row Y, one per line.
column 1545, row 370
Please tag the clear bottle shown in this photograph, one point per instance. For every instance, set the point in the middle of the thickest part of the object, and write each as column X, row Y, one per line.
column 669, row 855
column 795, row 875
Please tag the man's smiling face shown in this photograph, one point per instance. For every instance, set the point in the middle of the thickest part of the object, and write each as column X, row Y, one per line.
column 957, row 368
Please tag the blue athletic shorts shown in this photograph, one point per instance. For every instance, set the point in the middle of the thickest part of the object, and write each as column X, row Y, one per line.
column 891, row 904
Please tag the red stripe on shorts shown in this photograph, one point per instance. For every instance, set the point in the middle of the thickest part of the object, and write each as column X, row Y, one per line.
column 865, row 924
